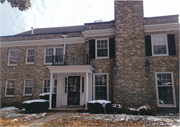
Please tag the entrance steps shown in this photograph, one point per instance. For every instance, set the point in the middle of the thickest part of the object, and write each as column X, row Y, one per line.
column 69, row 108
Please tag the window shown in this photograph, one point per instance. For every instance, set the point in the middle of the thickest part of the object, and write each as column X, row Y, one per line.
column 82, row 84
column 13, row 57
column 165, row 89
column 28, row 85
column 101, row 88
column 49, row 52
column 65, row 85
column 10, row 88
column 159, row 45
column 102, row 48
column 46, row 85
column 30, row 56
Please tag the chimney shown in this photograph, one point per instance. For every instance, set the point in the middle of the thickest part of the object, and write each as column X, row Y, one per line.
column 96, row 21
column 32, row 30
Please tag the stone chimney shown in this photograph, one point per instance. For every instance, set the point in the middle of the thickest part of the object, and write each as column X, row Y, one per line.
column 130, row 52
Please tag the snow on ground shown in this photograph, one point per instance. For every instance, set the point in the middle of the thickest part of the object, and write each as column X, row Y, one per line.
column 14, row 113
column 99, row 101
column 149, row 120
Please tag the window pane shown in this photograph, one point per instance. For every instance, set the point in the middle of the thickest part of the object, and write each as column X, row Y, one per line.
column 28, row 90
column 10, row 91
column 101, row 52
column 159, row 44
column 102, row 49
column 101, row 93
column 82, row 84
column 31, row 55
column 165, row 95
column 13, row 58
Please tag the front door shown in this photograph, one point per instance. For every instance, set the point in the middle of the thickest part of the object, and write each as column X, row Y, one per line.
column 73, row 90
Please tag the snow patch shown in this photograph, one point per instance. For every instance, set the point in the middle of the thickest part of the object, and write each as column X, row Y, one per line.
column 9, row 109
column 37, row 100
column 99, row 101
column 44, row 94
column 142, row 107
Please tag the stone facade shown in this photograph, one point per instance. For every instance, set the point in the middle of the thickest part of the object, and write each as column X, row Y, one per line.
column 131, row 81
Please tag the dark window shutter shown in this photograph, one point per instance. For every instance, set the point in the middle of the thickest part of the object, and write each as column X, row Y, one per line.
column 92, row 48
column 171, row 44
column 148, row 45
column 112, row 48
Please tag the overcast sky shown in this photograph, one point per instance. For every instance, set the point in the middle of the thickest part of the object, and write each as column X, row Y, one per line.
column 54, row 13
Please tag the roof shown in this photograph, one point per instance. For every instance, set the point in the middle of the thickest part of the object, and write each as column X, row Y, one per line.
column 69, row 29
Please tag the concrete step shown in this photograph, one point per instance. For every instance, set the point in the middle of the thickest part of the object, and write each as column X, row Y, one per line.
column 72, row 106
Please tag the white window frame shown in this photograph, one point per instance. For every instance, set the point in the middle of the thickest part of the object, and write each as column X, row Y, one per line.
column 27, row 56
column 50, row 84
column 167, row 51
column 9, row 58
column 107, row 48
column 107, row 75
column 54, row 53
column 24, row 94
column 6, row 89
column 174, row 99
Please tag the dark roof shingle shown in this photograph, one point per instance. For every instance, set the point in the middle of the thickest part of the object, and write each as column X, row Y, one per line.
column 69, row 29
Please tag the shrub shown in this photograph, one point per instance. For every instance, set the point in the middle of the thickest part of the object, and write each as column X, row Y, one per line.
column 46, row 97
column 96, row 106
column 38, row 105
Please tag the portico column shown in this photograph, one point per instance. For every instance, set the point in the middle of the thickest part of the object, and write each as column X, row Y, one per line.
column 86, row 89
column 51, row 88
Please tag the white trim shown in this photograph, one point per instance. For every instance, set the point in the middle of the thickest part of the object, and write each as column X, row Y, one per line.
column 71, row 69
column 96, row 57
column 27, row 55
column 174, row 99
column 167, row 51
column 6, row 88
column 100, row 32
column 54, row 53
column 107, row 74
column 9, row 58
column 43, row 42
column 162, row 27
column 24, row 88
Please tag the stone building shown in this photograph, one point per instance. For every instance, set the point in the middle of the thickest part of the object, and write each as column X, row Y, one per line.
column 131, row 60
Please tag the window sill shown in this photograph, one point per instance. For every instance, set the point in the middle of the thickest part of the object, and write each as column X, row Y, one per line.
column 27, row 94
column 29, row 63
column 9, row 96
column 161, row 55
column 166, row 106
column 12, row 65
column 47, row 63
column 102, row 57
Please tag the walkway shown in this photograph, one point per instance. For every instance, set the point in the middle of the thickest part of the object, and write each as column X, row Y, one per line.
column 41, row 121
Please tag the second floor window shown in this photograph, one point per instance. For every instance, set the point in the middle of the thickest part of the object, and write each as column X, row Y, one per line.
column 159, row 44
column 30, row 56
column 102, row 48
column 49, row 52
column 13, row 57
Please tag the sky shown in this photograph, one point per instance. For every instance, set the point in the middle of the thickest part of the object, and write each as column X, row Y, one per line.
column 58, row 13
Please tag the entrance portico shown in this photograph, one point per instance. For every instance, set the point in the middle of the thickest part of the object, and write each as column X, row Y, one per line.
column 74, row 85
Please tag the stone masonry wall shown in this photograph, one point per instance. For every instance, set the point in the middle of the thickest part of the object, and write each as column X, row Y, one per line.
column 171, row 64
column 38, row 71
